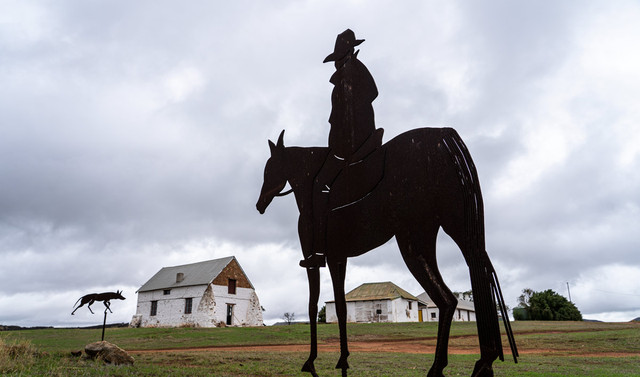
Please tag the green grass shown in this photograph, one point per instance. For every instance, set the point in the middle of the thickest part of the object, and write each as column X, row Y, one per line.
column 288, row 364
column 533, row 334
column 568, row 349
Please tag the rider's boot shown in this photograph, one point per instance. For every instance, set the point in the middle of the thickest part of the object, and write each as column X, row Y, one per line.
column 318, row 258
column 314, row 260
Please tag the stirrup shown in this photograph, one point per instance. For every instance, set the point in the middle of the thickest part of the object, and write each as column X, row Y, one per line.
column 316, row 260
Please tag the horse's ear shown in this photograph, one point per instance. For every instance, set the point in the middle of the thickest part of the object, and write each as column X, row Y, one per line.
column 281, row 140
column 279, row 145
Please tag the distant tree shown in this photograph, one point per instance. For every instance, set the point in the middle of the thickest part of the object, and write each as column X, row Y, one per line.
column 289, row 317
column 521, row 312
column 322, row 314
column 545, row 306
column 466, row 295
column 523, row 300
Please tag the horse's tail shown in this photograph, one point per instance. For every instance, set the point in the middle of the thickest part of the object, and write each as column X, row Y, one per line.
column 484, row 280
column 74, row 305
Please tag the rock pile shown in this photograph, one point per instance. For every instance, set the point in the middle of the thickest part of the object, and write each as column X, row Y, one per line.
column 108, row 352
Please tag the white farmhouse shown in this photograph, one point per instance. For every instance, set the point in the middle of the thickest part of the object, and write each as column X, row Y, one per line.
column 377, row 302
column 205, row 294
column 465, row 311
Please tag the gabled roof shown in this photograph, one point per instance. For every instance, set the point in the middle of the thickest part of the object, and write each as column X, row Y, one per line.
column 426, row 300
column 201, row 273
column 378, row 291
column 462, row 304
column 467, row 305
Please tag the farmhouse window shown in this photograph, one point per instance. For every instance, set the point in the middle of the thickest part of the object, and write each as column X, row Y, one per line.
column 166, row 292
column 188, row 302
column 154, row 308
column 232, row 286
column 378, row 311
column 433, row 315
column 410, row 305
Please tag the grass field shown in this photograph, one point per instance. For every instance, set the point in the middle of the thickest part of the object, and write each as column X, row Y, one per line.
column 547, row 349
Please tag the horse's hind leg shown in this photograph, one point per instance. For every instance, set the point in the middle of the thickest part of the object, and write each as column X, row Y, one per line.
column 313, row 276
column 338, row 271
column 485, row 306
column 419, row 253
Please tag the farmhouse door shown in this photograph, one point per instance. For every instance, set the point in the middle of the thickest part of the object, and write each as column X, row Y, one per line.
column 229, row 314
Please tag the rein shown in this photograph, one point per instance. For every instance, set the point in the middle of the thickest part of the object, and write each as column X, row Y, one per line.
column 285, row 192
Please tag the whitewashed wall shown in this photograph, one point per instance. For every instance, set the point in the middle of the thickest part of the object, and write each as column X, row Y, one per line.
column 460, row 315
column 464, row 315
column 209, row 307
column 396, row 310
column 430, row 314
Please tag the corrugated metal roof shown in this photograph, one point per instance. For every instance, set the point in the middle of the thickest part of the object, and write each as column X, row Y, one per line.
column 467, row 305
column 462, row 304
column 378, row 291
column 425, row 299
column 200, row 273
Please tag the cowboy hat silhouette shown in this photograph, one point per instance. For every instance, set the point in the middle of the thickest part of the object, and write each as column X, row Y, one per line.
column 345, row 42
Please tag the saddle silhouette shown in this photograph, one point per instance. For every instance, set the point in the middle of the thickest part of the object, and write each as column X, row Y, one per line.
column 361, row 175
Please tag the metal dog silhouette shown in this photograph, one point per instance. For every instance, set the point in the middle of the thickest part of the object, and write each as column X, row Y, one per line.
column 105, row 297
column 426, row 181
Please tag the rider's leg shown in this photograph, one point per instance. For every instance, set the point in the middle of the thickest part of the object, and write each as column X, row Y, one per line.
column 320, row 210
column 320, row 214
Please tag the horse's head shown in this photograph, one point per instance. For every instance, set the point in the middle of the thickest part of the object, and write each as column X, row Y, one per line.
column 274, row 175
column 119, row 295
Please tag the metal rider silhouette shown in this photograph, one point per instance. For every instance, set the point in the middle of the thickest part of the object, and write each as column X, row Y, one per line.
column 352, row 125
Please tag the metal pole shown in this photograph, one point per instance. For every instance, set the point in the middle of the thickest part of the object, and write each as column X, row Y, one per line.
column 104, row 324
column 569, row 291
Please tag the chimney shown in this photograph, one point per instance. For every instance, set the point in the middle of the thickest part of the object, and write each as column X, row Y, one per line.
column 179, row 277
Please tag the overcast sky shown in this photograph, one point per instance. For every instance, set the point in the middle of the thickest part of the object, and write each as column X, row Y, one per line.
column 133, row 136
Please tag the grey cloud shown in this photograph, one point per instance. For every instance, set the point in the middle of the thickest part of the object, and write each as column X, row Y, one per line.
column 134, row 134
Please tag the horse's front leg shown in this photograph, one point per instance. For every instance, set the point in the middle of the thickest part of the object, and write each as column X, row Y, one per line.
column 313, row 276
column 338, row 272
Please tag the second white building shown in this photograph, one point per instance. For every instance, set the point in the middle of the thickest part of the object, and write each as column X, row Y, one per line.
column 377, row 302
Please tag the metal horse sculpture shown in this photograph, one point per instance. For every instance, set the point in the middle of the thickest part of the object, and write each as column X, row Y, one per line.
column 93, row 297
column 426, row 181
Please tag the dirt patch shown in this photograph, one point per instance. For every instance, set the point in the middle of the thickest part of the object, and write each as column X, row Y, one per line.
column 376, row 346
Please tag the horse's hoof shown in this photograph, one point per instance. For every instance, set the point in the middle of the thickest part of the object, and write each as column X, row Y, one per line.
column 482, row 369
column 344, row 365
column 310, row 368
column 434, row 373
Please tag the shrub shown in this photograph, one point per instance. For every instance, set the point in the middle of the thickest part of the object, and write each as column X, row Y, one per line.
column 546, row 306
column 16, row 356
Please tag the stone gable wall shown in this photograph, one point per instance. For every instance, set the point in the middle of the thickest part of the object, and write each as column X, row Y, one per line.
column 232, row 271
